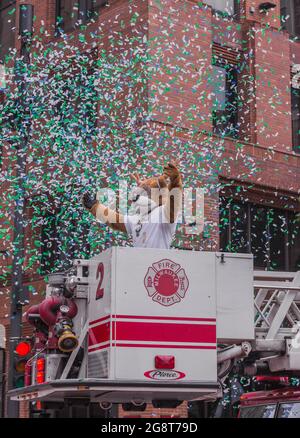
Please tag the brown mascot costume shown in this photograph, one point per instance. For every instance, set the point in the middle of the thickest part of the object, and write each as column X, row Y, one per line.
column 156, row 204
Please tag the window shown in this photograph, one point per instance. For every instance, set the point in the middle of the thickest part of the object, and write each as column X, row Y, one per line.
column 225, row 99
column 289, row 410
column 2, row 374
column 290, row 16
column 67, row 14
column 7, row 27
column 227, row 6
column 261, row 411
column 270, row 234
column 72, row 12
column 92, row 6
column 296, row 118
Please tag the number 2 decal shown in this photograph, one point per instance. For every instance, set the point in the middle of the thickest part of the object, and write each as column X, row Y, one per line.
column 100, row 273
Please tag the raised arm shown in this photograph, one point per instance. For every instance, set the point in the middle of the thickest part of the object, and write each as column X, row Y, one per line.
column 105, row 214
column 174, row 200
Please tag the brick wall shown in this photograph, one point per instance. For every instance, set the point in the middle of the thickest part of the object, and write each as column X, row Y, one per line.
column 180, row 84
column 151, row 412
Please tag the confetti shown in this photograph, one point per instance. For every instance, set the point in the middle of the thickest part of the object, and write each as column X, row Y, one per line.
column 116, row 96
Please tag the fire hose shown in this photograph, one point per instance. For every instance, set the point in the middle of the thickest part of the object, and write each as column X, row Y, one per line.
column 57, row 313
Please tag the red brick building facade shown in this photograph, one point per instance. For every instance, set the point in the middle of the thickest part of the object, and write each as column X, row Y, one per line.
column 251, row 156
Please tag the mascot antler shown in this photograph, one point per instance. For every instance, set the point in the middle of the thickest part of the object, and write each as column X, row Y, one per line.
column 136, row 178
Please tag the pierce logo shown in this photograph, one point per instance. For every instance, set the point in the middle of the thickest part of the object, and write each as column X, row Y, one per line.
column 166, row 282
column 164, row 374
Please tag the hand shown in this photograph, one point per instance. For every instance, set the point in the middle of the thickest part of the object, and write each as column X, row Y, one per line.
column 89, row 200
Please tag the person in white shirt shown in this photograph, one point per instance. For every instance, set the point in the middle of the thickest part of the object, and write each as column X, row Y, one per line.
column 156, row 206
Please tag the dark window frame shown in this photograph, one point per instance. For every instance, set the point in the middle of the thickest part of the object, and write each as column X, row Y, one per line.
column 8, row 4
column 236, row 11
column 86, row 12
column 289, row 24
column 230, row 126
column 295, row 108
column 63, row 26
column 2, row 381
column 226, row 233
column 94, row 9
